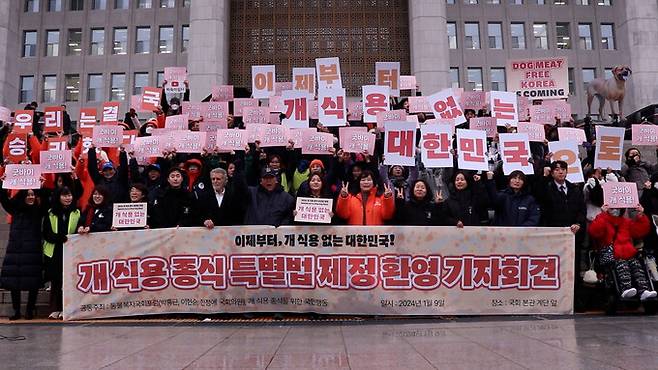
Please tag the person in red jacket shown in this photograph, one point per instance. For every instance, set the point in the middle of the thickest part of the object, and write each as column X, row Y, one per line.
column 615, row 233
column 368, row 207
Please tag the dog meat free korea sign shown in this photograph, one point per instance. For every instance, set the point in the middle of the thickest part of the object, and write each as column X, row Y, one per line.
column 387, row 270
column 539, row 79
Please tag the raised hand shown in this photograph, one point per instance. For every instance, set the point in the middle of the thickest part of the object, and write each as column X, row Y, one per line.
column 438, row 196
column 343, row 190
column 387, row 191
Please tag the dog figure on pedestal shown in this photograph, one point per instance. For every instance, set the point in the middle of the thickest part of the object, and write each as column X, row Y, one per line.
column 612, row 89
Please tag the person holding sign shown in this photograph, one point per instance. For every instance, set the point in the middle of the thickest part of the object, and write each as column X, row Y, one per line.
column 317, row 189
column 22, row 266
column 115, row 181
column 97, row 216
column 615, row 234
column 173, row 107
column 62, row 220
column 370, row 206
column 636, row 170
column 468, row 201
column 422, row 209
column 514, row 206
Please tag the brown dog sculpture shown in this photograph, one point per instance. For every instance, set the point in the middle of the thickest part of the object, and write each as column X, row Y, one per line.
column 611, row 89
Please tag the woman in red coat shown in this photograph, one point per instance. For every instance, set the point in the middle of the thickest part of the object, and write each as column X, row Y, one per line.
column 368, row 207
column 615, row 233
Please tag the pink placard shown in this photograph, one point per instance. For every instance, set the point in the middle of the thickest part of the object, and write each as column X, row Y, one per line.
column 107, row 136
column 535, row 131
column 391, row 115
column 356, row 140
column 222, row 93
column 620, row 194
column 419, row 104
column 276, row 104
column 273, row 135
column 22, row 176
column 355, row 111
column 231, row 139
column 240, row 103
column 216, row 111
column 193, row 110
column 280, row 87
column 178, row 122
column 317, row 143
column 212, row 126
column 473, row 100
column 211, row 140
column 255, row 132
column 275, row 118
column 407, row 82
column 151, row 98
column 571, row 134
column 189, row 141
column 561, row 109
column 252, row 115
column 523, row 105
column 175, row 77
column 312, row 109
column 296, row 135
column 644, row 135
column 399, row 144
column 542, row 114
column 136, row 103
column 487, row 124
column 149, row 146
column 5, row 114
column 55, row 161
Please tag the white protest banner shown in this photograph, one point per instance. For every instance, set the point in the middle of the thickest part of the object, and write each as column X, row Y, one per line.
column 471, row 146
column 193, row 110
column 620, row 194
column 317, row 143
column 175, row 77
column 177, row 122
column 388, row 74
column 486, row 124
column 644, row 135
column 408, row 83
column 356, row 139
column 256, row 115
column 273, row 135
column 419, row 104
column 129, row 215
column 240, row 103
column 534, row 131
column 296, row 104
column 609, row 145
column 375, row 100
column 262, row 81
column 475, row 100
column 503, row 108
column 222, row 93
column 53, row 119
column 573, row 134
column 538, row 266
column 23, row 120
column 445, row 105
column 400, row 143
column 545, row 78
column 435, row 145
column 567, row 151
column 107, row 136
column 314, row 210
column 303, row 79
column 215, row 111
column 328, row 72
column 110, row 113
column 296, row 135
column 515, row 153
column 189, row 141
column 151, row 98
column 22, row 176
column 231, row 139
column 55, row 161
column 332, row 107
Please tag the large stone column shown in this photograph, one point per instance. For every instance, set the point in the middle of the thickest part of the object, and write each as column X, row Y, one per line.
column 9, row 53
column 208, row 56
column 430, row 58
column 641, row 26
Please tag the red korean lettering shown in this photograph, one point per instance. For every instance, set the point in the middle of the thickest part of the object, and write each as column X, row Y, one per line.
column 401, row 142
column 272, row 271
column 388, row 77
column 544, row 272
column 472, row 149
column 437, row 146
column 334, row 108
column 328, row 73
column 184, row 271
column 332, row 272
column 94, row 277
column 305, row 82
column 154, row 274
column 298, row 106
column 375, row 103
column 516, row 152
column 502, row 110
column 514, row 272
column 125, row 274
column 211, row 271
column 425, row 272
column 395, row 271
column 362, row 272
column 447, row 109
column 243, row 271
column 487, row 272
column 23, row 120
column 300, row 271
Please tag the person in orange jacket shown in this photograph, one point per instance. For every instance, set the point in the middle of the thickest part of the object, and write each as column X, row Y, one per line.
column 369, row 206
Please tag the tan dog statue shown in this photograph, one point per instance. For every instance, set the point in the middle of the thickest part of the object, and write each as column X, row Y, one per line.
column 613, row 89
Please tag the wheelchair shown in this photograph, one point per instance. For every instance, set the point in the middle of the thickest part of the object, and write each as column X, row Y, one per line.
column 613, row 300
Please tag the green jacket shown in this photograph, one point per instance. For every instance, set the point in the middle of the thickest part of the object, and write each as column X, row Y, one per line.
column 49, row 248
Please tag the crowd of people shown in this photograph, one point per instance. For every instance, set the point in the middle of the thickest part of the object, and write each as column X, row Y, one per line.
column 258, row 186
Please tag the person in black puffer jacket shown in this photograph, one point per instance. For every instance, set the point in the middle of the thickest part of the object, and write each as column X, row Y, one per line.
column 173, row 205
column 98, row 215
column 468, row 202
column 649, row 201
column 421, row 209
column 514, row 206
column 22, row 267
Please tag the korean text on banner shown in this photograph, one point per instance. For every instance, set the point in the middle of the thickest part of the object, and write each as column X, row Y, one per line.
column 609, row 145
column 189, row 141
column 400, row 143
column 53, row 119
column 297, row 135
column 151, row 98
column 503, row 108
column 408, row 83
column 561, row 109
column 178, row 122
column 573, row 134
column 59, row 143
column 314, row 210
column 542, row 114
column 193, row 110
column 435, row 145
column 375, row 100
column 222, row 92
column 355, row 111
column 107, row 136
column 273, row 135
column 129, row 215
column 176, row 77
column 539, row 79
column 256, row 115
column 388, row 74
column 55, row 161
column 535, row 131
column 515, row 153
column 644, row 135
column 328, row 72
column 486, row 124
column 262, row 81
column 356, row 139
column 317, row 143
column 215, row 111
column 475, row 100
column 445, row 105
column 23, row 120
column 17, row 145
column 303, row 79
column 444, row 269
column 471, row 146
column 391, row 115
column 332, row 106
column 22, row 176
column 620, row 194
column 296, row 105
column 567, row 151
column 230, row 139
column 240, row 103
column 110, row 113
column 419, row 104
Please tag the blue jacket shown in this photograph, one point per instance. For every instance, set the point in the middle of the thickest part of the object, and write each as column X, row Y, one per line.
column 513, row 209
